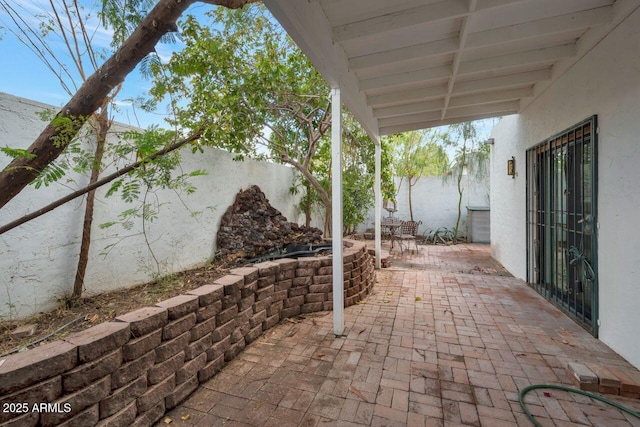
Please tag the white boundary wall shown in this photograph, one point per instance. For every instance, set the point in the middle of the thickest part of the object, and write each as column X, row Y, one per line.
column 38, row 260
column 435, row 202
column 604, row 82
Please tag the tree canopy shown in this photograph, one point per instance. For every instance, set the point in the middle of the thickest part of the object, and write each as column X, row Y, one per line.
column 56, row 137
column 251, row 90
column 416, row 154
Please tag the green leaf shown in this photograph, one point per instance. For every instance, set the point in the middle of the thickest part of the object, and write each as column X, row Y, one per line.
column 198, row 172
column 17, row 153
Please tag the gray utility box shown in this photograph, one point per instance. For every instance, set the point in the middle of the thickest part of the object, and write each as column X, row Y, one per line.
column 478, row 224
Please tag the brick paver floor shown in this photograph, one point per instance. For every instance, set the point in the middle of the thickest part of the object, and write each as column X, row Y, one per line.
column 447, row 339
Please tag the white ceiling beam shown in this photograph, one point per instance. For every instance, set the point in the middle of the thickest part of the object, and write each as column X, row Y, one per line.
column 496, row 63
column 554, row 25
column 435, row 123
column 562, row 24
column 417, row 107
column 406, row 96
column 464, row 33
column 403, row 79
column 409, row 53
column 409, row 118
column 474, row 110
column 341, row 12
column 447, row 9
column 490, row 4
column 484, row 98
column 519, row 59
column 512, row 80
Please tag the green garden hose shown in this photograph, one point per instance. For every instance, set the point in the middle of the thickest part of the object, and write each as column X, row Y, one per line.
column 571, row 390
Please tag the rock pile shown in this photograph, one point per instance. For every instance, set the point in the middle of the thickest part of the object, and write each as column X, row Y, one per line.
column 252, row 227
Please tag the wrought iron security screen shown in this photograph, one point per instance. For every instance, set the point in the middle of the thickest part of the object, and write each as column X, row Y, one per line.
column 561, row 221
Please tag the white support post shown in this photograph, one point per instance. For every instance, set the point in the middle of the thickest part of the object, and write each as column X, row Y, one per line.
column 378, row 202
column 336, row 212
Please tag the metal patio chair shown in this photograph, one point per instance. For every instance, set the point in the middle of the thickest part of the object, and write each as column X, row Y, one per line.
column 408, row 233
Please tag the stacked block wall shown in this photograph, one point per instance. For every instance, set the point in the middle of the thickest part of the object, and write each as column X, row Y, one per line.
column 132, row 370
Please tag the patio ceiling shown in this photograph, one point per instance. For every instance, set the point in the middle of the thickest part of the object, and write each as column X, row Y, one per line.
column 412, row 64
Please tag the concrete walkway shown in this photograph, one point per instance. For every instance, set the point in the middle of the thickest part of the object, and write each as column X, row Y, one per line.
column 447, row 339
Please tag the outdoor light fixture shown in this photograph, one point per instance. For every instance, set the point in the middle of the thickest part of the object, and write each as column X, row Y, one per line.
column 511, row 167
column 489, row 141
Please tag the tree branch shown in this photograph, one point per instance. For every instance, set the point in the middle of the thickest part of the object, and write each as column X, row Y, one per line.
column 49, row 145
column 107, row 179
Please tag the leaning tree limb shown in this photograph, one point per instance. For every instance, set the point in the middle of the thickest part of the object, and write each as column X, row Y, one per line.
column 55, row 138
column 107, row 179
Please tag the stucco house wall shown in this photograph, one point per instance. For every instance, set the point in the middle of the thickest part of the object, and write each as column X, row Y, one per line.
column 38, row 259
column 604, row 82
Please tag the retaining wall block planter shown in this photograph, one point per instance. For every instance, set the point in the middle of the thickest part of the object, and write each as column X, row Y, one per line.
column 132, row 370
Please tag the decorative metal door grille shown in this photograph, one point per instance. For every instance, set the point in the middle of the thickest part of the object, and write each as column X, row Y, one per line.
column 561, row 221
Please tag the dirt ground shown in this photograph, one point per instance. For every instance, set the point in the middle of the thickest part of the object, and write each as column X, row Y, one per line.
column 100, row 308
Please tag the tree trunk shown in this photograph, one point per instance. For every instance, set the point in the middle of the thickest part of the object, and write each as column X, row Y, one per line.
column 459, row 179
column 83, row 259
column 307, row 206
column 326, row 200
column 455, row 232
column 410, row 204
column 55, row 138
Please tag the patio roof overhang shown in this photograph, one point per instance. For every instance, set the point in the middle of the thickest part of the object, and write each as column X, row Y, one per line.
column 402, row 65
column 411, row 64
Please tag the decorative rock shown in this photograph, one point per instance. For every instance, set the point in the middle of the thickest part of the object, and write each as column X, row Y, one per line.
column 23, row 331
column 252, row 227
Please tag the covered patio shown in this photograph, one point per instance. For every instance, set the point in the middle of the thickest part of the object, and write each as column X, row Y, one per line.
column 448, row 337
column 415, row 64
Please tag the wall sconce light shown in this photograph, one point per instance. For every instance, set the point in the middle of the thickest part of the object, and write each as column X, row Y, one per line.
column 511, row 167
column 489, row 141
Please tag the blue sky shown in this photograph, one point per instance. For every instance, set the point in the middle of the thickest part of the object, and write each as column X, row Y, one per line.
column 23, row 74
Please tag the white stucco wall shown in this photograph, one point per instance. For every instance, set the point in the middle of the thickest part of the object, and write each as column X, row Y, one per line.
column 435, row 202
column 38, row 259
column 605, row 82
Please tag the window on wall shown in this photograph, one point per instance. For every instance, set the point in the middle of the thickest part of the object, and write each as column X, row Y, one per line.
column 561, row 219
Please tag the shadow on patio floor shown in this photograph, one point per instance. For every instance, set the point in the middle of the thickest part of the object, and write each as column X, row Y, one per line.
column 448, row 337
